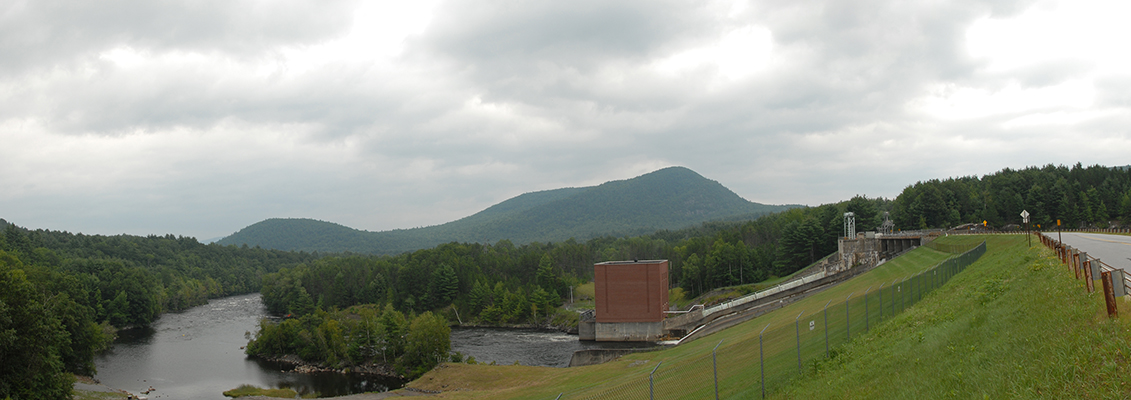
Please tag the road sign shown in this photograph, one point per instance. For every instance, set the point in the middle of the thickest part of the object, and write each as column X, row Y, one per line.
column 1025, row 216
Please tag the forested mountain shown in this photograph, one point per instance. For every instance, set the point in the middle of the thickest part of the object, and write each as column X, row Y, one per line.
column 670, row 198
column 1077, row 196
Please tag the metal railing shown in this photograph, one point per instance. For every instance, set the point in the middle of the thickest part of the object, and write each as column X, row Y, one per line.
column 751, row 368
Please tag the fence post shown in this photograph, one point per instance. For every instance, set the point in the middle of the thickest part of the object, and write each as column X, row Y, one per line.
column 797, row 329
column 559, row 396
column 911, row 291
column 1075, row 260
column 847, row 322
column 1080, row 265
column 1088, row 276
column 651, row 391
column 881, row 290
column 866, row 308
column 762, row 360
column 1109, row 294
column 715, row 363
column 898, row 289
column 826, row 329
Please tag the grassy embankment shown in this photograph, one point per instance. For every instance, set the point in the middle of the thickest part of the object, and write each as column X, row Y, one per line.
column 478, row 381
column 1014, row 325
column 92, row 395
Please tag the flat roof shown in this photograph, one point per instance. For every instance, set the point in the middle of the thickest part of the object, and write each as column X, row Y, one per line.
column 631, row 262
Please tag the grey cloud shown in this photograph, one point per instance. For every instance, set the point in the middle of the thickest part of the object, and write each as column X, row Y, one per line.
column 569, row 99
column 45, row 33
column 574, row 34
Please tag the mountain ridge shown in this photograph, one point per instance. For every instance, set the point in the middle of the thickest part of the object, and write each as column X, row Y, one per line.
column 669, row 198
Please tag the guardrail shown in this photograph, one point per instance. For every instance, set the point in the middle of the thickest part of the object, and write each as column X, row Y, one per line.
column 1086, row 267
column 763, row 294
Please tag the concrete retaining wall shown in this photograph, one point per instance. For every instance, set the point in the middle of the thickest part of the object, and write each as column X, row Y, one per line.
column 629, row 331
column 586, row 330
column 599, row 356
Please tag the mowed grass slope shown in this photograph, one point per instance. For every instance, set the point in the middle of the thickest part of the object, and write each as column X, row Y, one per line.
column 460, row 381
column 1016, row 324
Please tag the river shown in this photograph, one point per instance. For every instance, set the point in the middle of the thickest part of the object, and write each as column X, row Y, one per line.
column 525, row 346
column 197, row 354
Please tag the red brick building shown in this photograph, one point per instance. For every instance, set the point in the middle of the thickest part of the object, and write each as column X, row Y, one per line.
column 631, row 297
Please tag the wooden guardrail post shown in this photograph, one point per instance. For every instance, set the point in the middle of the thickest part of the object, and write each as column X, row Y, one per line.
column 1080, row 265
column 1109, row 294
column 1088, row 277
column 1075, row 259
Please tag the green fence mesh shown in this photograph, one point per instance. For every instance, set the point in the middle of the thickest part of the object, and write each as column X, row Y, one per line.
column 751, row 368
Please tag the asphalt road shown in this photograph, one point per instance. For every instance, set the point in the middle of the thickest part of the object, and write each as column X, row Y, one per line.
column 1113, row 250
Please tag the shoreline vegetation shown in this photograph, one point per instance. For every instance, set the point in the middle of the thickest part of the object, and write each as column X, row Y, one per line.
column 301, row 366
column 357, row 336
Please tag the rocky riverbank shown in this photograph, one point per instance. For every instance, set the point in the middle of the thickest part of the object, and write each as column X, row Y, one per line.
column 570, row 330
column 305, row 367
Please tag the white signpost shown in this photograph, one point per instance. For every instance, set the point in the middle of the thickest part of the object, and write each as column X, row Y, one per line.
column 1025, row 217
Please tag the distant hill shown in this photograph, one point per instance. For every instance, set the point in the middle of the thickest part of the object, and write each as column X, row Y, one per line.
column 670, row 198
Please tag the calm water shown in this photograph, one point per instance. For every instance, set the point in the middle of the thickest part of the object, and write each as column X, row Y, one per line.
column 196, row 354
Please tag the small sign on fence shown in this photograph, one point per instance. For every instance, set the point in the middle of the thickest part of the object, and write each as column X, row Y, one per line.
column 812, row 325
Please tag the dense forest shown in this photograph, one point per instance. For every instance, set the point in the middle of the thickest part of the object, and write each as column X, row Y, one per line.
column 1079, row 197
column 361, row 335
column 670, row 198
column 502, row 283
column 63, row 295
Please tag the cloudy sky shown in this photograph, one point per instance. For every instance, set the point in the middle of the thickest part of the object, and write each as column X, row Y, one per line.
column 198, row 118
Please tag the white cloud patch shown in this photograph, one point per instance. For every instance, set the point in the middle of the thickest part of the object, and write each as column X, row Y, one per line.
column 738, row 54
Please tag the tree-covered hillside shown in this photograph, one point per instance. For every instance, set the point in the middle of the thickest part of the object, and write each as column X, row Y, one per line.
column 671, row 198
column 63, row 295
column 507, row 283
column 1078, row 196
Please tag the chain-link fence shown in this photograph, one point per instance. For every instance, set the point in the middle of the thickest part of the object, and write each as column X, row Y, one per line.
column 751, row 368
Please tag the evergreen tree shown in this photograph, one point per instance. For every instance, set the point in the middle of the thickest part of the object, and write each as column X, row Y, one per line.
column 444, row 286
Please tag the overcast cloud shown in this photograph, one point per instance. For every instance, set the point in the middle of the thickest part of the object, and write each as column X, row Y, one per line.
column 198, row 118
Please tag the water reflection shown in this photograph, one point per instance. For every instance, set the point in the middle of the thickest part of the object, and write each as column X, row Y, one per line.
column 197, row 354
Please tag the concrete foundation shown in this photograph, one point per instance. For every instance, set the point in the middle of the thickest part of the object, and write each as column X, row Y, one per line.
column 629, row 331
column 586, row 330
column 582, row 358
